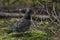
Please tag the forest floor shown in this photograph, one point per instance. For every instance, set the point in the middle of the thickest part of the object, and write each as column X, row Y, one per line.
column 29, row 35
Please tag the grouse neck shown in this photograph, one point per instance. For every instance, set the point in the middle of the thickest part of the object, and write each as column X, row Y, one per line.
column 28, row 14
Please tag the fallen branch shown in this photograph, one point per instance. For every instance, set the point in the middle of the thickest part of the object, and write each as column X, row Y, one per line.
column 17, row 15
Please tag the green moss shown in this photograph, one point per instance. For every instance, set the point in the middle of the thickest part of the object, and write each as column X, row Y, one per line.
column 28, row 35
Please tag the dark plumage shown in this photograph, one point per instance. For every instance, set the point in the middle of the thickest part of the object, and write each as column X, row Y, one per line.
column 23, row 24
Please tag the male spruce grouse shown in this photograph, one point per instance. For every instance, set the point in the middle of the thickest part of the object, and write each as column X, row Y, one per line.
column 23, row 24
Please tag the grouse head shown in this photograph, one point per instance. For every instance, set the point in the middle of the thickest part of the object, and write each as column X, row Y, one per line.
column 27, row 12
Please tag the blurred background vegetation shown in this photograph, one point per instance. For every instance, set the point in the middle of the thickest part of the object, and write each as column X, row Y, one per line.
column 18, row 3
column 29, row 35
